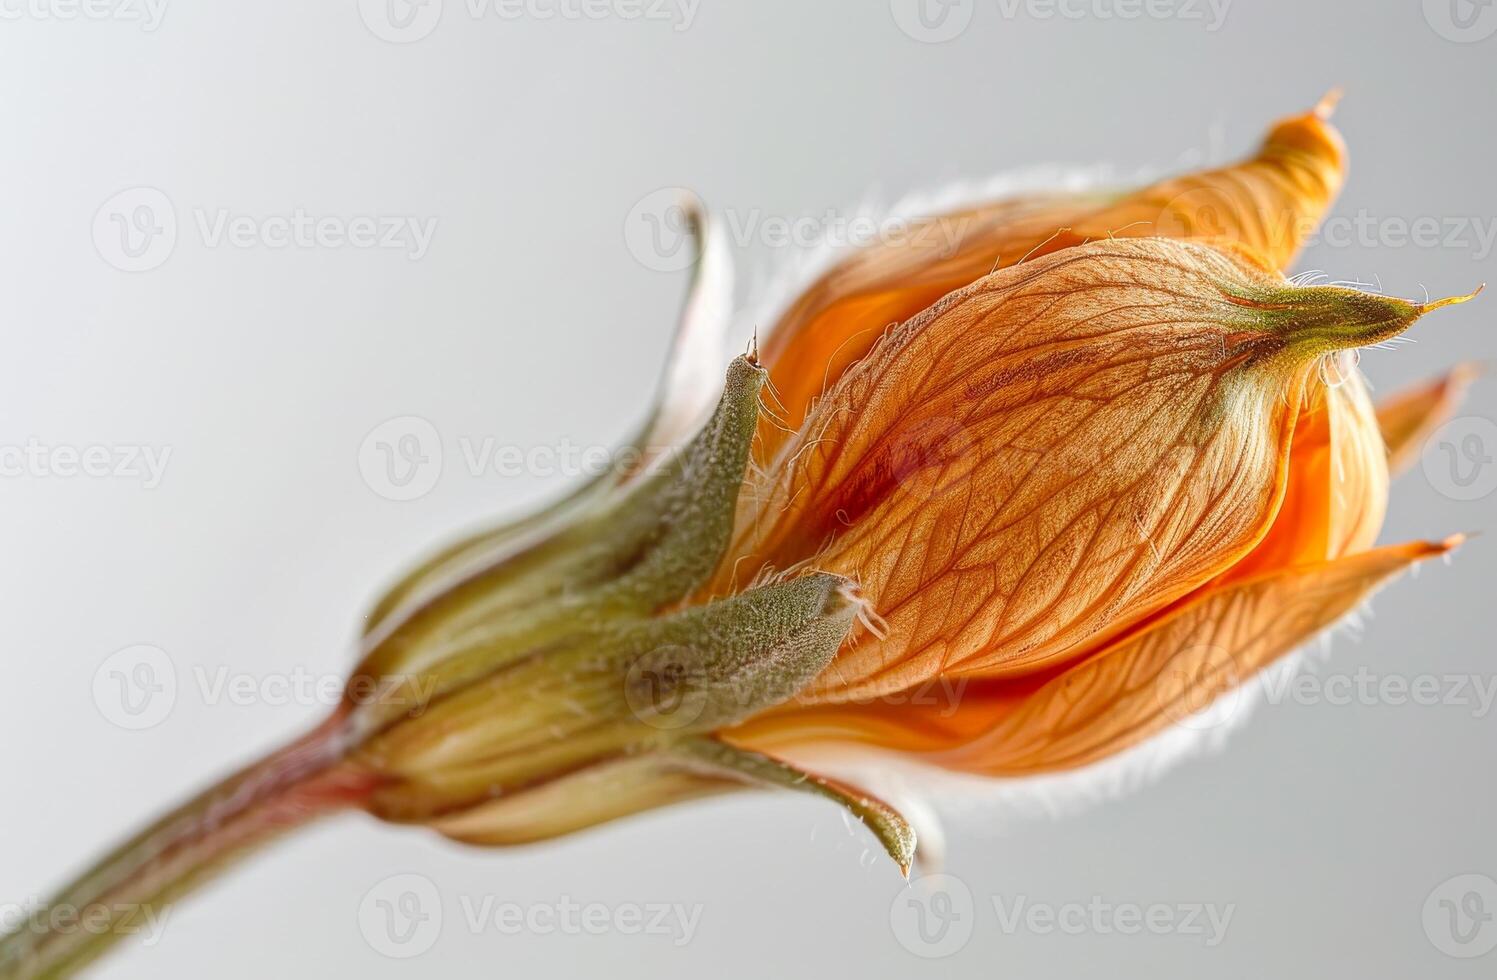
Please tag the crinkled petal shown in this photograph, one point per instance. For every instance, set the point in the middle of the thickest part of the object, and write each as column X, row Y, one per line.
column 1270, row 202
column 1158, row 674
column 1050, row 455
column 1179, row 665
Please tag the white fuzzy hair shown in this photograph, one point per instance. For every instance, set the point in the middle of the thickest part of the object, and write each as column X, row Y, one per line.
column 773, row 289
column 995, row 805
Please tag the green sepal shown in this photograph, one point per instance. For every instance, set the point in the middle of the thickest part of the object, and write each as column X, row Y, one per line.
column 688, row 769
column 649, row 546
column 611, row 690
column 712, row 757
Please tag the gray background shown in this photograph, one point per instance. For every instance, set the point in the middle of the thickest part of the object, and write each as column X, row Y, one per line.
column 530, row 138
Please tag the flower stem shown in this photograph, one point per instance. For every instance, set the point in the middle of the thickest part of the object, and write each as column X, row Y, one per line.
column 132, row 888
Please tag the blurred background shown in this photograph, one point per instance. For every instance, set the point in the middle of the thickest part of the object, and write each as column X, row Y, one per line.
column 244, row 244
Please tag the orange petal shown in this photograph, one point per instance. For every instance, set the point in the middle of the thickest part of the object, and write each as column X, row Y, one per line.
column 1338, row 477
column 1408, row 417
column 1270, row 202
column 1059, row 450
column 1157, row 675
column 1183, row 662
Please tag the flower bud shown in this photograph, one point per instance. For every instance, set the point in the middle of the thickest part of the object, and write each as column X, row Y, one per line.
column 1052, row 454
column 1270, row 202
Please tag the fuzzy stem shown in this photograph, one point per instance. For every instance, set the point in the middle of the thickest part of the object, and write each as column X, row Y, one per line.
column 137, row 882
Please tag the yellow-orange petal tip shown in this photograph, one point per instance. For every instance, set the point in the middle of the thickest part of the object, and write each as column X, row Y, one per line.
column 1451, row 300
column 1328, row 102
